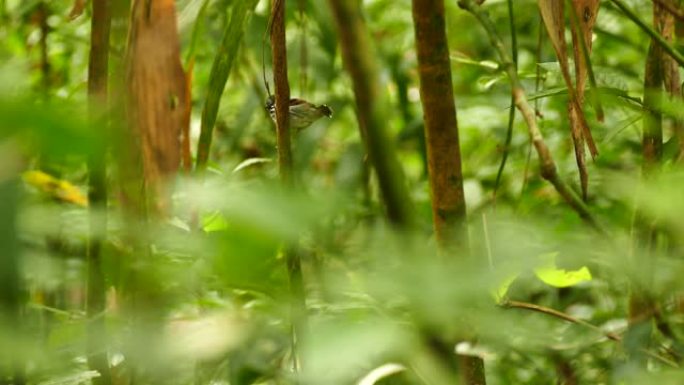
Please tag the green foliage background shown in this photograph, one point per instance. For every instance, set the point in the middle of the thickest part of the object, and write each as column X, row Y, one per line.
column 216, row 299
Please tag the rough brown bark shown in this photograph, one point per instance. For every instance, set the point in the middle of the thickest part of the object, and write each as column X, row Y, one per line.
column 439, row 115
column 98, row 67
column 157, row 92
column 443, row 149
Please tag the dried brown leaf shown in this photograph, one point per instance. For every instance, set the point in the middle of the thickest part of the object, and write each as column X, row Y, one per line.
column 77, row 9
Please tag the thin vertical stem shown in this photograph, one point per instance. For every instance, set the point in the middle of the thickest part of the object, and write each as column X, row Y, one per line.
column 282, row 90
column 98, row 68
column 282, row 98
column 511, row 112
column 358, row 60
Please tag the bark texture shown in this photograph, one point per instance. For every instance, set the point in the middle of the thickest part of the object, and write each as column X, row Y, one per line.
column 157, row 91
column 439, row 115
column 443, row 149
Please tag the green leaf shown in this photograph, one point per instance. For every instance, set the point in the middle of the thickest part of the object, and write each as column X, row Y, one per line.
column 553, row 276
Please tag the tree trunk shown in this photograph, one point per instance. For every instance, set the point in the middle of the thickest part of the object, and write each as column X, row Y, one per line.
column 443, row 149
column 157, row 93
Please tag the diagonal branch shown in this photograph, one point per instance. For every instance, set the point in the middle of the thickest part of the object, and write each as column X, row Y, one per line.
column 547, row 164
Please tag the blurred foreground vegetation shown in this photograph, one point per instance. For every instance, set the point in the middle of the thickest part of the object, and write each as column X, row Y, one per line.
column 202, row 294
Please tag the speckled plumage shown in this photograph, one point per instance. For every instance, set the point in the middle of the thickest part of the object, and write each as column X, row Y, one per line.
column 302, row 113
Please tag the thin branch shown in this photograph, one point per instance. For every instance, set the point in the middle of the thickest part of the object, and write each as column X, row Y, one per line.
column 511, row 112
column 282, row 100
column 567, row 317
column 560, row 315
column 547, row 164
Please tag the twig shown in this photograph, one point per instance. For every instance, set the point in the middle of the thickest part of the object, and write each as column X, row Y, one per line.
column 567, row 317
column 548, row 166
column 561, row 315
column 511, row 112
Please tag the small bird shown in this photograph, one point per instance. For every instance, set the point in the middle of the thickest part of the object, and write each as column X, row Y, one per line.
column 302, row 113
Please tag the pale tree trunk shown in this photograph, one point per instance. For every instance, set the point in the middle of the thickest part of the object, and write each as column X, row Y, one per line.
column 156, row 94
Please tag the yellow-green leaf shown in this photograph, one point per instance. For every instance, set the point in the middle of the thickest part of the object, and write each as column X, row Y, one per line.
column 553, row 276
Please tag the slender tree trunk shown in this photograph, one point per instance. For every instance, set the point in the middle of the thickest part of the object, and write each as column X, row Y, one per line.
column 155, row 107
column 441, row 130
column 282, row 100
column 157, row 94
column 357, row 55
column 96, row 292
column 443, row 149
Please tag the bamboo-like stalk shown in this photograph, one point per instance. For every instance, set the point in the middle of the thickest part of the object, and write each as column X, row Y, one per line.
column 282, row 90
column 282, row 100
column 220, row 70
column 441, row 128
column 98, row 67
column 443, row 148
column 547, row 164
column 358, row 60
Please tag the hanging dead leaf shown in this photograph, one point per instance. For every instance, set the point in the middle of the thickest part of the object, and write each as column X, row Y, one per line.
column 77, row 9
column 553, row 16
column 585, row 13
column 552, row 12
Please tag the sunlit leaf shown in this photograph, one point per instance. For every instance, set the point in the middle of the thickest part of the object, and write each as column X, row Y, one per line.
column 550, row 274
column 55, row 188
